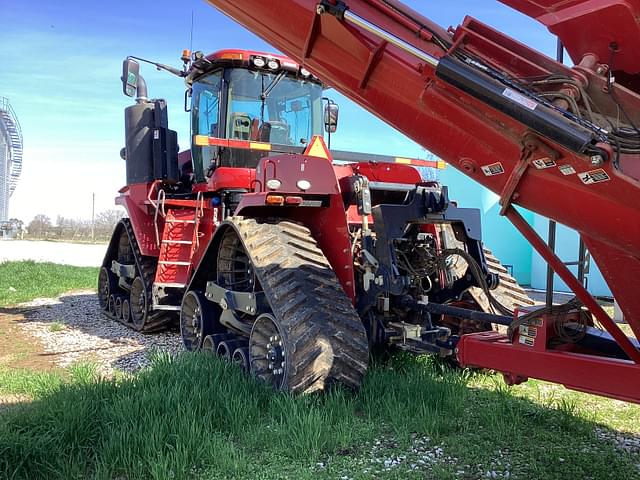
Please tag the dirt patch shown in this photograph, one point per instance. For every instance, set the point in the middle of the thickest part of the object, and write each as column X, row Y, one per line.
column 52, row 333
column 18, row 349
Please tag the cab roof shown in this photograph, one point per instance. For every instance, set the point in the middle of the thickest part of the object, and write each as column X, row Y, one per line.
column 246, row 55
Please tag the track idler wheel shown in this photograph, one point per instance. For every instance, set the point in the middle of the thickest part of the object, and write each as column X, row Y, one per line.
column 107, row 285
column 138, row 304
column 198, row 319
column 268, row 351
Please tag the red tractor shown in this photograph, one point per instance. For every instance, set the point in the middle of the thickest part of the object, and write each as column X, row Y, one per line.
column 272, row 254
column 559, row 140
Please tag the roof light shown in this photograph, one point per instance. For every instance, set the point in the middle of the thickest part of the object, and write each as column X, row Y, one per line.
column 303, row 184
column 273, row 184
column 273, row 64
column 259, row 62
column 232, row 56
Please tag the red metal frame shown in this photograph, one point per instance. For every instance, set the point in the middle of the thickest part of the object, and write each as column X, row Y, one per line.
column 406, row 92
column 602, row 376
column 576, row 22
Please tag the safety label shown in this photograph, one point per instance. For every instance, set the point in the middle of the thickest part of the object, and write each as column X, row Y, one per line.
column 528, row 331
column 493, row 169
column 566, row 169
column 535, row 322
column 519, row 98
column 594, row 176
column 528, row 341
column 542, row 163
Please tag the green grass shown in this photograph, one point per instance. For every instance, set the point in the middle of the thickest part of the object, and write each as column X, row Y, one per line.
column 56, row 327
column 26, row 280
column 195, row 417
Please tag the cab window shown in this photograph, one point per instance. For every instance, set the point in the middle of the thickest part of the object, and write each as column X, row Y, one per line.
column 205, row 112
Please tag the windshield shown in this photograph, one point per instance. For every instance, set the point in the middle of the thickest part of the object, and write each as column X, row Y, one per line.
column 268, row 107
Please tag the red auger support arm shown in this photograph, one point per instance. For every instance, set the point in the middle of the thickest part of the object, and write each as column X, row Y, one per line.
column 562, row 142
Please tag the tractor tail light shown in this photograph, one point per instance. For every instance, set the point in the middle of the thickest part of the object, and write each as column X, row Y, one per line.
column 294, row 200
column 274, row 200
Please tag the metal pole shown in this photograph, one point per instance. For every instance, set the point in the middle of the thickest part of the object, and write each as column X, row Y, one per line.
column 392, row 39
column 551, row 240
column 93, row 216
column 582, row 253
column 552, row 224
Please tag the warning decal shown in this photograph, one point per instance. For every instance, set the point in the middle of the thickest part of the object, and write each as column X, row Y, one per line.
column 543, row 163
column 519, row 98
column 493, row 169
column 566, row 169
column 594, row 176
column 528, row 341
column 528, row 331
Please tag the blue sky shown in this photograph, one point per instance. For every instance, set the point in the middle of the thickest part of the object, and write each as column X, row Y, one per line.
column 61, row 63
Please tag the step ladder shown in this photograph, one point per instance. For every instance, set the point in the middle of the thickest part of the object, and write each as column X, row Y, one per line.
column 179, row 241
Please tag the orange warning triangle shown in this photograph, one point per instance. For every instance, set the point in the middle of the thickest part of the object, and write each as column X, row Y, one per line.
column 317, row 148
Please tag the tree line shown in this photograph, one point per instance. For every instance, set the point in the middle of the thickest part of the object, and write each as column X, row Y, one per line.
column 42, row 227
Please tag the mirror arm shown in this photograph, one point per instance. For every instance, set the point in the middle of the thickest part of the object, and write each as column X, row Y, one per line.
column 141, row 91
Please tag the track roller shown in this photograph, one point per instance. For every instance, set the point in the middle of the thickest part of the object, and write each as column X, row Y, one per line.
column 111, row 307
column 118, row 307
column 208, row 345
column 241, row 358
column 226, row 348
column 126, row 311
column 198, row 319
column 221, row 337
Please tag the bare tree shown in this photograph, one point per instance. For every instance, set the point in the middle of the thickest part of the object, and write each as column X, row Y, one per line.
column 75, row 229
column 105, row 222
column 40, row 226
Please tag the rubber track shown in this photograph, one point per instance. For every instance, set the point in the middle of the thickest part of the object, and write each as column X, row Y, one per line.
column 146, row 267
column 326, row 340
column 509, row 292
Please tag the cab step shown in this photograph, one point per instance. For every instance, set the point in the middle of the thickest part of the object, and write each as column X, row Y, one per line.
column 173, row 308
column 178, row 242
column 170, row 284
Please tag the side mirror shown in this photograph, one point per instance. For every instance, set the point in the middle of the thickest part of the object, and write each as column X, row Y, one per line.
column 331, row 117
column 130, row 77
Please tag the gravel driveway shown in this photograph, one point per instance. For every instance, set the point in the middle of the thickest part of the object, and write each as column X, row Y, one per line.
column 78, row 254
column 72, row 328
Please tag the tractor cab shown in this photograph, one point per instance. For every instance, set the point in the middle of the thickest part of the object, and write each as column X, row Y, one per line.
column 244, row 106
column 248, row 105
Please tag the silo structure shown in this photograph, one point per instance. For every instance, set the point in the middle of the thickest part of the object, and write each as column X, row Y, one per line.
column 10, row 155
